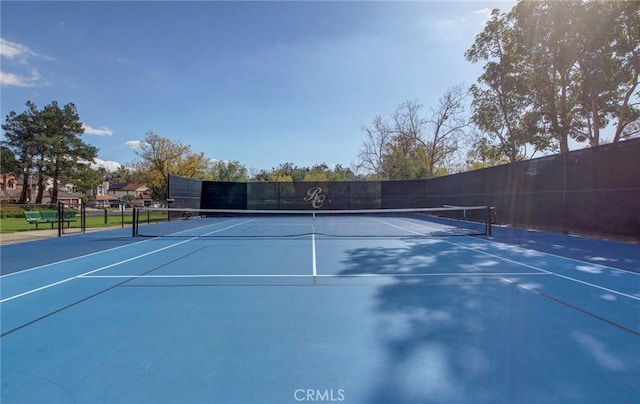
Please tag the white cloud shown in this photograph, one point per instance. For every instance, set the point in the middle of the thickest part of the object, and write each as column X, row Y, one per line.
column 104, row 131
column 134, row 144
column 107, row 165
column 33, row 80
column 461, row 27
column 483, row 12
column 14, row 50
column 19, row 52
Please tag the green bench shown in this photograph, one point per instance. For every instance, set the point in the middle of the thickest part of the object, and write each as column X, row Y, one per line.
column 49, row 216
column 69, row 216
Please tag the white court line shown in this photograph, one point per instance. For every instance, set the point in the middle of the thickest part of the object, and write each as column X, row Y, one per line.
column 408, row 230
column 116, row 264
column 530, row 266
column 547, row 271
column 96, row 253
column 73, row 259
column 523, row 248
column 626, row 271
column 313, row 254
column 364, row 275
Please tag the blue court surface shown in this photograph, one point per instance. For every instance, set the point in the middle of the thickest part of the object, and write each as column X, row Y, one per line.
column 516, row 317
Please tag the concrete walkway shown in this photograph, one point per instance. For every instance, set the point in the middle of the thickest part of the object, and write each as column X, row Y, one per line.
column 23, row 236
column 33, row 235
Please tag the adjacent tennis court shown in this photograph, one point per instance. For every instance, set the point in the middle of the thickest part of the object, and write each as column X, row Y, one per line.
column 394, row 307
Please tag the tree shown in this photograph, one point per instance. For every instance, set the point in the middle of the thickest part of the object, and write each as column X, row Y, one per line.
column 322, row 173
column 546, row 37
column 22, row 138
column 484, row 153
column 84, row 178
column 375, row 150
column 8, row 162
column 121, row 174
column 340, row 173
column 410, row 146
column 282, row 173
column 559, row 71
column 219, row 170
column 632, row 130
column 161, row 157
column 64, row 154
column 447, row 126
column 625, row 45
column 289, row 172
column 48, row 141
column 595, row 71
column 392, row 150
column 500, row 103
column 408, row 152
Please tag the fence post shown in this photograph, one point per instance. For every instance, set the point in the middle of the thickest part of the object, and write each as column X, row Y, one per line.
column 60, row 218
column 134, row 224
column 83, row 216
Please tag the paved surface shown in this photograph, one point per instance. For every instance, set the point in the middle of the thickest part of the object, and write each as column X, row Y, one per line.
column 33, row 235
column 105, row 317
column 23, row 236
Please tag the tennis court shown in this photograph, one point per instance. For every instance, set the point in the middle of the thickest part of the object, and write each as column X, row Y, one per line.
column 366, row 309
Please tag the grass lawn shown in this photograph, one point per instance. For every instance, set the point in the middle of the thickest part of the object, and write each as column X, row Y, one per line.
column 94, row 220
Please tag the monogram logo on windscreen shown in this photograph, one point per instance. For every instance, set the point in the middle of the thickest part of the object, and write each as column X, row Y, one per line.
column 315, row 196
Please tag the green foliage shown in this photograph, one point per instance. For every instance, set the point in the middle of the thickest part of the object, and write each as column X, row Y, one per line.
column 161, row 157
column 48, row 141
column 122, row 174
column 10, row 210
column 67, row 157
column 412, row 146
column 233, row 171
column 553, row 71
column 289, row 172
column 12, row 219
column 22, row 138
column 8, row 162
column 556, row 71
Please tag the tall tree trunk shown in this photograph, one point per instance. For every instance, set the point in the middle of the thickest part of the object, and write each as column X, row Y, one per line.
column 25, row 194
column 41, row 186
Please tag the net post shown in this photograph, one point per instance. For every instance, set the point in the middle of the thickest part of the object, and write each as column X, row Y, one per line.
column 489, row 230
column 83, row 216
column 60, row 218
column 134, row 222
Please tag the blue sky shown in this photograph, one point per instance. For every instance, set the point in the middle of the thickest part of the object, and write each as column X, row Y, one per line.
column 263, row 83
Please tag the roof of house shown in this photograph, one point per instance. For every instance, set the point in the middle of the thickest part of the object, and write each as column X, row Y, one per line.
column 104, row 198
column 144, row 195
column 125, row 186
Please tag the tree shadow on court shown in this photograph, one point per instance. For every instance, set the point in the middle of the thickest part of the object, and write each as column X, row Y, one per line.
column 459, row 337
column 618, row 254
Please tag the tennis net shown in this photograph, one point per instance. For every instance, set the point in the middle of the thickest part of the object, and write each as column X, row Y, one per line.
column 229, row 223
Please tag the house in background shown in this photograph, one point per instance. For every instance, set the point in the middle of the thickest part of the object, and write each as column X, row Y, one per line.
column 138, row 193
column 103, row 201
column 66, row 194
column 108, row 195
column 104, row 196
column 72, row 199
column 11, row 187
column 122, row 189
